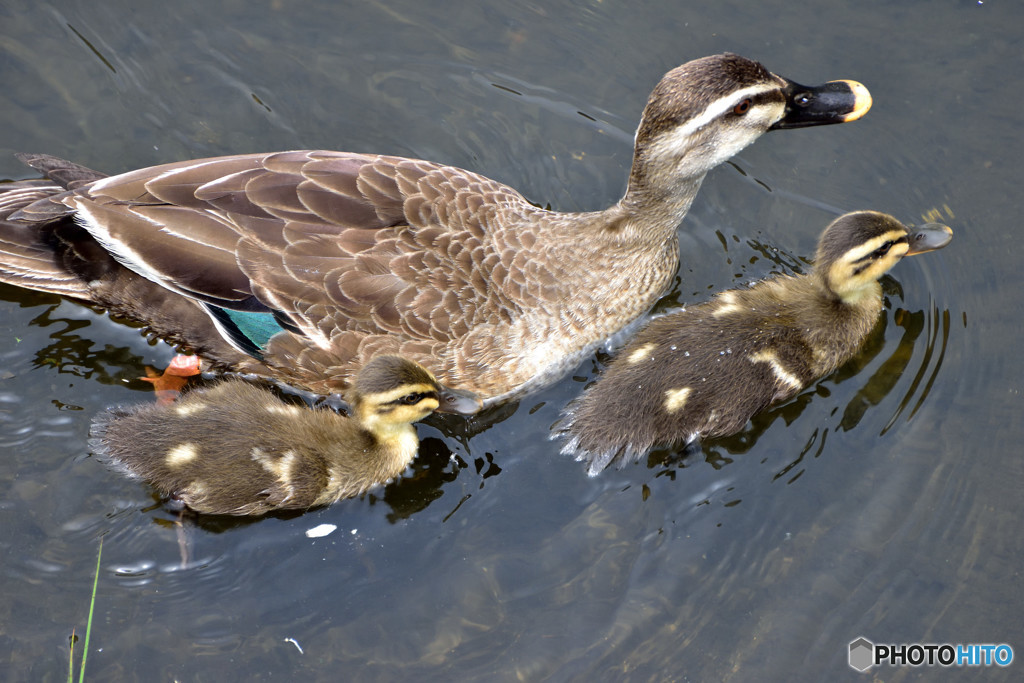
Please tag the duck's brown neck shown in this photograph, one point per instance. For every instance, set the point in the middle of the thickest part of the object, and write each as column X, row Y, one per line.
column 655, row 209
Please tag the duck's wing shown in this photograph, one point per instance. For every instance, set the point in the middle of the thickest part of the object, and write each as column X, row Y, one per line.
column 314, row 242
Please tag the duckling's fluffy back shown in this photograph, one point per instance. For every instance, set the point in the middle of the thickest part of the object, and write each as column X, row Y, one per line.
column 706, row 370
column 237, row 449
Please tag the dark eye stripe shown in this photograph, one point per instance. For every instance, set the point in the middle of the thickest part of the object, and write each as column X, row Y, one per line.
column 411, row 399
column 881, row 251
column 752, row 101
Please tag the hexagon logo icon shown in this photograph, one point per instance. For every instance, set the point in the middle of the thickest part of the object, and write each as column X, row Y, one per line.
column 862, row 654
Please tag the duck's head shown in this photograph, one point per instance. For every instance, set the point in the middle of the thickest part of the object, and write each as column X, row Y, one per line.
column 707, row 110
column 391, row 391
column 858, row 248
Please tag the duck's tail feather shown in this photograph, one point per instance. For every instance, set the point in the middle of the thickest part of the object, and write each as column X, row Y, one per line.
column 28, row 257
column 67, row 174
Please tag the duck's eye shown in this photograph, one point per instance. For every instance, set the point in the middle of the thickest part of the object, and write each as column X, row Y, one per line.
column 742, row 107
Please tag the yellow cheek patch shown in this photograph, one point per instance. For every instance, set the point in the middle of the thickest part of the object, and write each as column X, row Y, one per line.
column 641, row 353
column 675, row 399
column 182, row 454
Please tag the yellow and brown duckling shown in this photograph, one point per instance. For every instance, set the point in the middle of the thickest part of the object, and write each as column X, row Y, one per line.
column 706, row 370
column 237, row 449
column 302, row 265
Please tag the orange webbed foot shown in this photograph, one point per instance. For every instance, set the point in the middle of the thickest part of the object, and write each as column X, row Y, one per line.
column 168, row 385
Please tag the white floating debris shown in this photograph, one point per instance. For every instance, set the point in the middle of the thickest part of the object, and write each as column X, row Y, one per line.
column 321, row 530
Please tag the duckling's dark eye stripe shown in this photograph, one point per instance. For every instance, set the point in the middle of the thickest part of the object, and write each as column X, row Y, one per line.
column 884, row 249
column 412, row 399
column 880, row 251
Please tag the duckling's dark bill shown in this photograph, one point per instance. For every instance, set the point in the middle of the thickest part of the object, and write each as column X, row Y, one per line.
column 929, row 237
column 458, row 401
column 833, row 102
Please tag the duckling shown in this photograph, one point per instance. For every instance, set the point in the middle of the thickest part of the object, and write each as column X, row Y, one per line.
column 302, row 265
column 706, row 370
column 237, row 449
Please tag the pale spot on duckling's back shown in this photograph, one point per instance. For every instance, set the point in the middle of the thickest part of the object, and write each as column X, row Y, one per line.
column 641, row 353
column 186, row 409
column 182, row 454
column 726, row 304
column 282, row 466
column 283, row 409
column 675, row 399
column 198, row 489
column 781, row 373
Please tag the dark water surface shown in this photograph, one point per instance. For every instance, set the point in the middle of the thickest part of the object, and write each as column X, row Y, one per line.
column 883, row 502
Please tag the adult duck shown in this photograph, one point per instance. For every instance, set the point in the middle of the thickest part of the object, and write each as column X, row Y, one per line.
column 302, row 265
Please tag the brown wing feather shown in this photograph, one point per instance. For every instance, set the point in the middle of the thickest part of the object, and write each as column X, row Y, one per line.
column 28, row 258
column 362, row 253
column 245, row 217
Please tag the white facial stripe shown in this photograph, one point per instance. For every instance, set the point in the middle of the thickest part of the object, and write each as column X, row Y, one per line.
column 720, row 106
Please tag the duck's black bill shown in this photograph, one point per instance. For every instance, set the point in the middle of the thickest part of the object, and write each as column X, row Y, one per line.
column 928, row 237
column 458, row 401
column 833, row 102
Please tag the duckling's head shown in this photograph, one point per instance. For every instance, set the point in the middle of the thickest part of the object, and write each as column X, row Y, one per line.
column 707, row 110
column 391, row 392
column 858, row 248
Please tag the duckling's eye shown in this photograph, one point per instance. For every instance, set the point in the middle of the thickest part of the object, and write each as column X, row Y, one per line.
column 743, row 106
column 411, row 399
column 883, row 250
